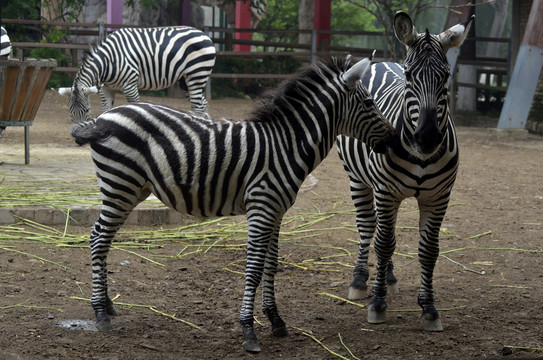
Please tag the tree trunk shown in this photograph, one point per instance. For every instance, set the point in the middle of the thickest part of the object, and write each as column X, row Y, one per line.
column 305, row 20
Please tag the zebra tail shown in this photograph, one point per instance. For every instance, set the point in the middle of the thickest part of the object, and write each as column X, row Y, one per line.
column 84, row 132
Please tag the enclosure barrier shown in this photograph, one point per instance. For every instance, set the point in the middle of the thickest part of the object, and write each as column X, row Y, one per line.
column 22, row 86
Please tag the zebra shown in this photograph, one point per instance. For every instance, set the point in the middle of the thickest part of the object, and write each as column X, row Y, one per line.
column 422, row 164
column 143, row 58
column 206, row 167
column 5, row 44
column 5, row 54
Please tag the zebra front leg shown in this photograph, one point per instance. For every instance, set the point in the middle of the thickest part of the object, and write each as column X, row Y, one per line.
column 269, row 306
column 385, row 243
column 430, row 221
column 365, row 220
column 260, row 232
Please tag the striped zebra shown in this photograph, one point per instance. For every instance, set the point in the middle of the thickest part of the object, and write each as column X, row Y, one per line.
column 207, row 167
column 5, row 44
column 143, row 58
column 423, row 164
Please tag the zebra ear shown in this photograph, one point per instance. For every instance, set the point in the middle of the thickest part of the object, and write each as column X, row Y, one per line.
column 456, row 35
column 404, row 29
column 63, row 90
column 356, row 72
column 89, row 90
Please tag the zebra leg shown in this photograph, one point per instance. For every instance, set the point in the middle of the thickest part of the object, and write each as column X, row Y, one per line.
column 365, row 220
column 100, row 242
column 269, row 306
column 430, row 221
column 261, row 229
column 107, row 96
column 392, row 282
column 130, row 90
column 385, row 243
column 198, row 103
column 113, row 215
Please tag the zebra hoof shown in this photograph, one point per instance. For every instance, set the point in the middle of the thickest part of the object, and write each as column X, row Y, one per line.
column 376, row 316
column 104, row 325
column 357, row 293
column 251, row 346
column 280, row 331
column 393, row 288
column 430, row 322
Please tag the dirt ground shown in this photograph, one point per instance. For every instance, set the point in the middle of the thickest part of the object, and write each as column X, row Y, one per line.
column 489, row 283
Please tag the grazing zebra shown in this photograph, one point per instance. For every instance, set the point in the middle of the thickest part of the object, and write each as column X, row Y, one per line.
column 148, row 58
column 423, row 164
column 5, row 44
column 207, row 167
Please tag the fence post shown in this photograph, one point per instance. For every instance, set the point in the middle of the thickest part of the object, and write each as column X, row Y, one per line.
column 314, row 46
column 101, row 32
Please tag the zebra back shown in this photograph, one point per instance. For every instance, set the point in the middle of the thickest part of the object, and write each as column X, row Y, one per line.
column 144, row 58
column 215, row 167
column 157, row 56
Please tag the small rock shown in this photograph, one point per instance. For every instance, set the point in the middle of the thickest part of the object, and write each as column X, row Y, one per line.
column 125, row 263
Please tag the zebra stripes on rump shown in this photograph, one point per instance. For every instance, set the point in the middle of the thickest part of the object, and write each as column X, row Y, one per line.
column 207, row 167
column 144, row 58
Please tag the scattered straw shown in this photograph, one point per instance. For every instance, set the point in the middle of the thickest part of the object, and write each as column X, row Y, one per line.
column 31, row 307
column 342, row 299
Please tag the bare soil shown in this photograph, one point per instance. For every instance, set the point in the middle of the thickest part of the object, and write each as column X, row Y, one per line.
column 489, row 286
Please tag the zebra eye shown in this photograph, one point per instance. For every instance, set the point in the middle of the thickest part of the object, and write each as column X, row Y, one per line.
column 407, row 74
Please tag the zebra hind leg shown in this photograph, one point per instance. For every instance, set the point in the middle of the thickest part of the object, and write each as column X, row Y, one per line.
column 100, row 242
column 110, row 220
column 392, row 282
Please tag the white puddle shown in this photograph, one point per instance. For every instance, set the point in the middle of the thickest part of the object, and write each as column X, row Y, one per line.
column 85, row 325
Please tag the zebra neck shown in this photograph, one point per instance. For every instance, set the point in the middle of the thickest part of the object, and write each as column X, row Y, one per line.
column 300, row 138
column 91, row 71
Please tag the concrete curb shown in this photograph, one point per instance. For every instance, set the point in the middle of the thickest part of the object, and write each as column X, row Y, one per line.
column 86, row 216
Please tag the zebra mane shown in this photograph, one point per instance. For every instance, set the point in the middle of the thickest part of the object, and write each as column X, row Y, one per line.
column 87, row 58
column 273, row 100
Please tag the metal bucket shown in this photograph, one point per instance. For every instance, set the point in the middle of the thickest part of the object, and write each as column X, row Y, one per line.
column 22, row 87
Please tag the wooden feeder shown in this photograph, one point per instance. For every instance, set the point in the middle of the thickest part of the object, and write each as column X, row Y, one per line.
column 22, row 86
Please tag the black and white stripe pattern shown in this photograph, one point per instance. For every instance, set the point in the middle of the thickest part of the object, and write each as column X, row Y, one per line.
column 148, row 59
column 423, row 164
column 5, row 44
column 207, row 167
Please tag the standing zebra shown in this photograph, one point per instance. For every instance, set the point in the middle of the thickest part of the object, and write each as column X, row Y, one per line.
column 423, row 164
column 147, row 58
column 203, row 167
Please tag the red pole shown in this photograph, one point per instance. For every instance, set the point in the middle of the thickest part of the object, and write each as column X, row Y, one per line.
column 321, row 21
column 243, row 21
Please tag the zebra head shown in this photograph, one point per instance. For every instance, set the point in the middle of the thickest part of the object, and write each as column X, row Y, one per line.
column 364, row 120
column 426, row 77
column 79, row 102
